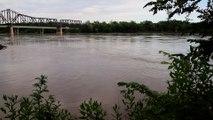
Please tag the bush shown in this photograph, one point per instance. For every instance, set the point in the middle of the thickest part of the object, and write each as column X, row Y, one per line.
column 92, row 110
column 36, row 106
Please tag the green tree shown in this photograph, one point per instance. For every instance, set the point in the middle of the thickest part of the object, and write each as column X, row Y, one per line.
column 146, row 26
column 191, row 84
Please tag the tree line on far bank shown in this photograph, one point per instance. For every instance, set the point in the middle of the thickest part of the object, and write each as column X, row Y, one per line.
column 133, row 27
column 171, row 26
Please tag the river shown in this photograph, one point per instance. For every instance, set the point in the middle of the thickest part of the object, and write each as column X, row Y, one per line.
column 80, row 66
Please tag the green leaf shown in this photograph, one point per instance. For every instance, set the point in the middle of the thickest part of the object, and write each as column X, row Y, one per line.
column 3, row 110
column 5, row 97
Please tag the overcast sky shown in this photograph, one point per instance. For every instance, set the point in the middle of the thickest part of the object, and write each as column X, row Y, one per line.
column 93, row 10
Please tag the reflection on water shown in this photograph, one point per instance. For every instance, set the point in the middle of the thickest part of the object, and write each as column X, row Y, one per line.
column 83, row 66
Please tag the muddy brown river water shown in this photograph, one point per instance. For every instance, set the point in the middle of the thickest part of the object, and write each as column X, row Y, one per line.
column 80, row 67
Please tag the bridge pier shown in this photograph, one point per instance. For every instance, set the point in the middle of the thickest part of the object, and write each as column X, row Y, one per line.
column 17, row 31
column 59, row 30
column 42, row 32
column 10, row 30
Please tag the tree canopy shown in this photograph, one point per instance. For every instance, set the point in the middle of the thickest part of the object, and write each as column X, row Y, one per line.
column 203, row 8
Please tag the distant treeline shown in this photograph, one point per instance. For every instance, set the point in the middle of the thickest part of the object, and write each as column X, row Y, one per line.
column 133, row 27
column 171, row 26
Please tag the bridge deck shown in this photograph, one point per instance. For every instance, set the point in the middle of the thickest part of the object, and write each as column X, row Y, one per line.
column 33, row 27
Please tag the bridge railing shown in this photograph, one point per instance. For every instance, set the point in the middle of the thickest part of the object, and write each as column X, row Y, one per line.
column 70, row 21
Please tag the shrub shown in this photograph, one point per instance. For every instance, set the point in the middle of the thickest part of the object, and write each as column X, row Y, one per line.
column 36, row 106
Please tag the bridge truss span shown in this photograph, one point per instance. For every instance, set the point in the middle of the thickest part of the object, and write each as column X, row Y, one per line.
column 70, row 21
column 9, row 16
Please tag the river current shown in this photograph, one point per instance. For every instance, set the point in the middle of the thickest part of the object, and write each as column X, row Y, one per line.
column 80, row 66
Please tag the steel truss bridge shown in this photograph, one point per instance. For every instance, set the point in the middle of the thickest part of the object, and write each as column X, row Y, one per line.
column 9, row 16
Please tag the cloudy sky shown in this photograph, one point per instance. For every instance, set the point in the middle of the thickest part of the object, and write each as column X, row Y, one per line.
column 93, row 10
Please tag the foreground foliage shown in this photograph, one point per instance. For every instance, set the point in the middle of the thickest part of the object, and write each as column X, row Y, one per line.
column 34, row 107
